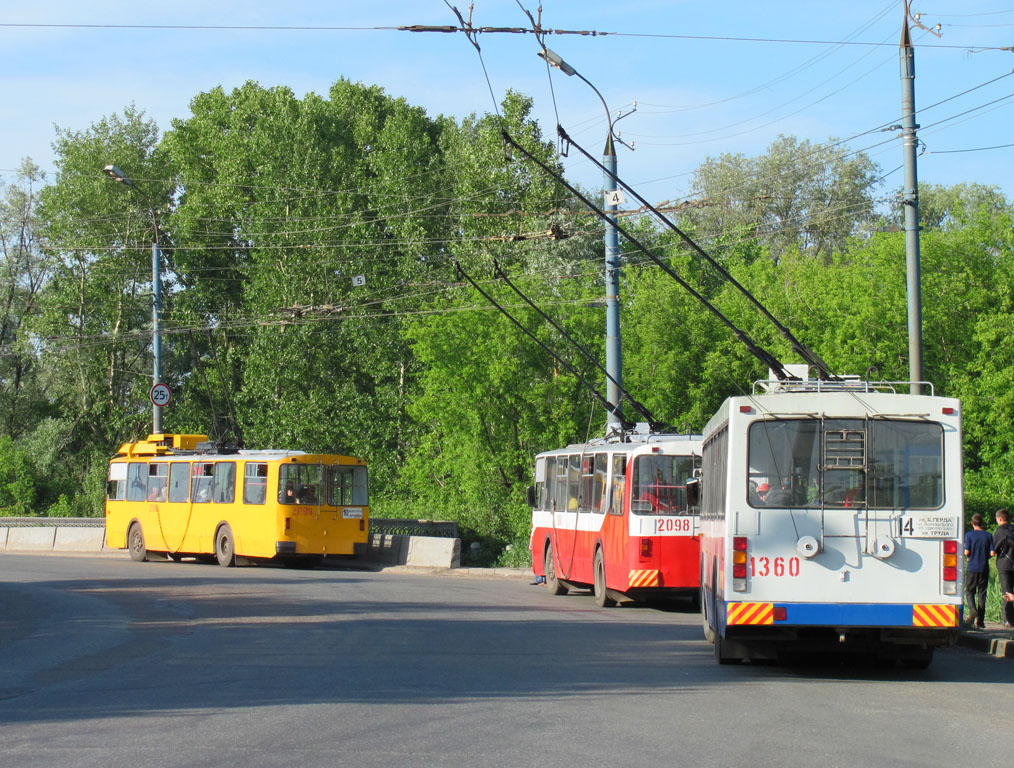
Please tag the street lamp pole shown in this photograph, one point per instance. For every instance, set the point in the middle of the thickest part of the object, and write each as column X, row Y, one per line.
column 156, row 293
column 614, row 351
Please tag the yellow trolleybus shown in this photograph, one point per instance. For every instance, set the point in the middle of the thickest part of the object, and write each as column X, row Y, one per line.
column 179, row 495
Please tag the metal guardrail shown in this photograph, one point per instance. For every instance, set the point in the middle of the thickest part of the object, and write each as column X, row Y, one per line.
column 52, row 522
column 441, row 529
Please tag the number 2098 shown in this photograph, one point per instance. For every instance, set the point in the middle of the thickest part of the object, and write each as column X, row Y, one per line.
column 778, row 566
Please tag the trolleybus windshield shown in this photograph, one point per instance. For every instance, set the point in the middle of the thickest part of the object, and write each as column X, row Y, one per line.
column 660, row 484
column 839, row 463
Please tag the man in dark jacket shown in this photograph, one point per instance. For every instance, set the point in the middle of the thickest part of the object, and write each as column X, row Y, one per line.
column 1003, row 551
column 978, row 548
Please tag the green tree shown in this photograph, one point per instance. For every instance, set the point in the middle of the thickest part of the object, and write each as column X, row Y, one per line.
column 813, row 197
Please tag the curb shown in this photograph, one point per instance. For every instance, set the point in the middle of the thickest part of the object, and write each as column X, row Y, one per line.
column 997, row 642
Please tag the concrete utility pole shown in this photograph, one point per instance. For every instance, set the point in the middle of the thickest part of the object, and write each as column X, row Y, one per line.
column 910, row 203
column 156, row 293
column 614, row 352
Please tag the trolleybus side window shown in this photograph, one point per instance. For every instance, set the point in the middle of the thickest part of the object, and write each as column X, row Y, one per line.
column 137, row 481
column 179, row 481
column 560, row 490
column 573, row 482
column 545, row 497
column 599, row 483
column 224, row 487
column 116, row 485
column 200, row 483
column 715, row 468
column 255, row 483
column 587, row 481
column 619, row 483
column 158, row 480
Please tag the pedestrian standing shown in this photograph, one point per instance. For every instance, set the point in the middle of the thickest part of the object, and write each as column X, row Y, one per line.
column 1003, row 551
column 978, row 548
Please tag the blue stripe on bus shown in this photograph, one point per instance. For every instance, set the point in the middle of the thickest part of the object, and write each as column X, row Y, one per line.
column 846, row 614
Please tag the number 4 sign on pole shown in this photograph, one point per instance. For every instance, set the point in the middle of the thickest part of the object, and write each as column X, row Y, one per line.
column 160, row 395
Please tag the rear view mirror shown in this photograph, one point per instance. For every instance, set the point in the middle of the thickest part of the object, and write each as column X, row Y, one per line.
column 694, row 492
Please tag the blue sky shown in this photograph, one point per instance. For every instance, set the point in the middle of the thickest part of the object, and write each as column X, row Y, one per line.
column 699, row 91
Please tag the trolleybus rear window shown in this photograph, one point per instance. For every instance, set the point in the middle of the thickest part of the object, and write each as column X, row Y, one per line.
column 660, row 484
column 842, row 463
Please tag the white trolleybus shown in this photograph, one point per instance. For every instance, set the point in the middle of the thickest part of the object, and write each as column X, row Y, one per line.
column 613, row 515
column 832, row 514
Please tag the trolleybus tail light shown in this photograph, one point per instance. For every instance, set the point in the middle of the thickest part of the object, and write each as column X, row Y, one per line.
column 739, row 564
column 647, row 547
column 744, row 409
column 947, row 411
column 778, row 613
column 950, row 567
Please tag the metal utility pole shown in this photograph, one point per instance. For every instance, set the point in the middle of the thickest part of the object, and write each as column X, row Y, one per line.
column 910, row 204
column 614, row 350
column 613, row 196
column 156, row 301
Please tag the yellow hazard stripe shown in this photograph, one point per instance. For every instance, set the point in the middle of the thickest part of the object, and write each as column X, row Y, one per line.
column 643, row 579
column 750, row 613
column 934, row 615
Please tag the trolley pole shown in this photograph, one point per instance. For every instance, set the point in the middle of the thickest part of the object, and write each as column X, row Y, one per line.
column 614, row 352
column 910, row 204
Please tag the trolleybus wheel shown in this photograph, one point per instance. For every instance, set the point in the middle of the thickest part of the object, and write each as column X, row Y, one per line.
column 549, row 566
column 135, row 543
column 602, row 599
column 720, row 656
column 920, row 660
column 224, row 550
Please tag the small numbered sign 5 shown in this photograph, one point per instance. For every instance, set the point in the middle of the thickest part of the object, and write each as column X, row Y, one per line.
column 160, row 394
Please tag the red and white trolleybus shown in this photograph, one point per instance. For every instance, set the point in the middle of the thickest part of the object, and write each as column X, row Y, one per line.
column 612, row 514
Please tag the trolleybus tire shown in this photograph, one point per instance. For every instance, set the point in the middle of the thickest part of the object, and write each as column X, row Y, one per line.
column 922, row 660
column 225, row 551
column 549, row 567
column 602, row 598
column 135, row 543
column 720, row 655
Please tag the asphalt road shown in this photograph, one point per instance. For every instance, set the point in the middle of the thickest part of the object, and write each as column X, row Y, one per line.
column 106, row 662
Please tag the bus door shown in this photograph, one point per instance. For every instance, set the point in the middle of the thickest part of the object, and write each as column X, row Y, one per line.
column 565, row 514
column 610, row 469
column 174, row 511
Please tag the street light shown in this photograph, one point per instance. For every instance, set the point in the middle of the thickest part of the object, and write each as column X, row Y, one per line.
column 614, row 352
column 156, row 295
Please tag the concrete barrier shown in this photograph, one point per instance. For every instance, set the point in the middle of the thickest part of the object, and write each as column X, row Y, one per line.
column 37, row 539
column 40, row 535
column 79, row 539
column 421, row 551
